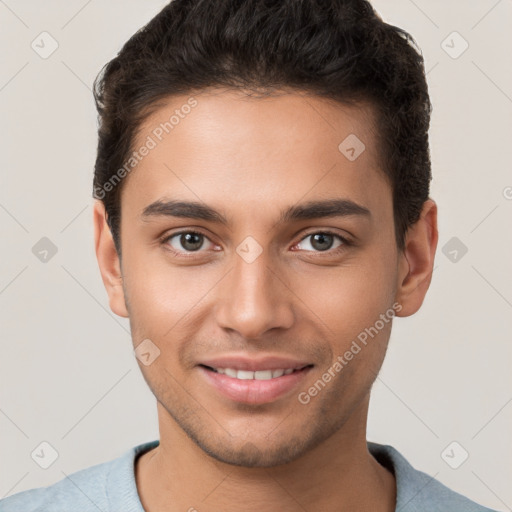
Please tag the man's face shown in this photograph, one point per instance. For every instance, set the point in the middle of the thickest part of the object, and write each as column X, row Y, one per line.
column 259, row 286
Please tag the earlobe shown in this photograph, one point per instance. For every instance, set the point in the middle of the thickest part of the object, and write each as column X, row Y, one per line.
column 417, row 261
column 108, row 261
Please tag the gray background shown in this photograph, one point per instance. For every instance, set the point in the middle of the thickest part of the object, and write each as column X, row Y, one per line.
column 68, row 374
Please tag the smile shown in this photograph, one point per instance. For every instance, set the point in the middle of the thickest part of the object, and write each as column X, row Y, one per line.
column 257, row 375
column 253, row 387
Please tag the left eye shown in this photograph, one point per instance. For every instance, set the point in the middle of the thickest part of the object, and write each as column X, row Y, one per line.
column 322, row 241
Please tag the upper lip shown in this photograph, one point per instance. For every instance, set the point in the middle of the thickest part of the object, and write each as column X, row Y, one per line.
column 254, row 364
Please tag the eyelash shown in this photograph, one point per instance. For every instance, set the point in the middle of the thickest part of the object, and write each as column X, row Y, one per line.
column 345, row 242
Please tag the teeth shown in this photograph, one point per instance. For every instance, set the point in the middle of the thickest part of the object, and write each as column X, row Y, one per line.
column 245, row 375
column 258, row 375
column 263, row 375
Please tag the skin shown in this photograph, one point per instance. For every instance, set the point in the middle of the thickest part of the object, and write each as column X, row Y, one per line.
column 293, row 300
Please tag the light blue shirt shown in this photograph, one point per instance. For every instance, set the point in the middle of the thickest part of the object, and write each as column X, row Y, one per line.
column 111, row 487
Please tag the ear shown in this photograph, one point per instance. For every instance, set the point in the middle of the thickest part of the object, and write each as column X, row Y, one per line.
column 108, row 261
column 417, row 261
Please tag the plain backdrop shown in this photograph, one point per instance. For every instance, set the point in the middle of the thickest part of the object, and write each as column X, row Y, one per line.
column 68, row 374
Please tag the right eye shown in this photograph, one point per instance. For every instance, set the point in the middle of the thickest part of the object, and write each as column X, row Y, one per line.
column 187, row 242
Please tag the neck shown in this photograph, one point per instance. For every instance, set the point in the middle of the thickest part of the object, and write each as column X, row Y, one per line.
column 339, row 474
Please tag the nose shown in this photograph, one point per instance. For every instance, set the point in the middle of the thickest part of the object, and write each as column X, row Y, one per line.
column 254, row 299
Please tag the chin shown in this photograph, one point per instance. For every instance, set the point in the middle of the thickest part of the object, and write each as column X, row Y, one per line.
column 251, row 456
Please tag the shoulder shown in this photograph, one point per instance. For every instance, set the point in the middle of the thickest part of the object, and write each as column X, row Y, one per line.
column 99, row 487
column 84, row 489
column 417, row 491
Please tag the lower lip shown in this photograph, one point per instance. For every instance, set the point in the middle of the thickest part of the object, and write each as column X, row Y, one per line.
column 253, row 391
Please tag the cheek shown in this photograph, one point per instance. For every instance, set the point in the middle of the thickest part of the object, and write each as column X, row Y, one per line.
column 346, row 298
column 162, row 296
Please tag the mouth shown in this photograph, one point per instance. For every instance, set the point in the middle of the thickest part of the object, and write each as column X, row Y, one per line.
column 254, row 387
column 255, row 375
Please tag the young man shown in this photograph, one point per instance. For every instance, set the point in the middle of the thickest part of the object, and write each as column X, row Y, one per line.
column 262, row 185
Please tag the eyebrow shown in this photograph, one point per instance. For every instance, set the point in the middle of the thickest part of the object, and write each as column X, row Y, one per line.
column 305, row 211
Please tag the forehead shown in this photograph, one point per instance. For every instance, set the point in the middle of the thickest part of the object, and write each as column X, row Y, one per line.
column 225, row 146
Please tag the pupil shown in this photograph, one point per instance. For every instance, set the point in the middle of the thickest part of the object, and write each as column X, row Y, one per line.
column 321, row 238
column 191, row 238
